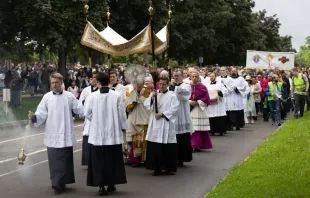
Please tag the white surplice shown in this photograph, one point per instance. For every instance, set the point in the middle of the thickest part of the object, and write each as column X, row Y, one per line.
column 56, row 110
column 234, row 100
column 183, row 123
column 107, row 117
column 85, row 93
column 121, row 89
column 219, row 109
column 227, row 82
column 162, row 131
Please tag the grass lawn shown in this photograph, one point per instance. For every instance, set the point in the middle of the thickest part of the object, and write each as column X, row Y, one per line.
column 280, row 168
column 14, row 114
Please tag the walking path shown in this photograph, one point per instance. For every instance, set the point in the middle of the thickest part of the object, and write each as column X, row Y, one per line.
column 192, row 181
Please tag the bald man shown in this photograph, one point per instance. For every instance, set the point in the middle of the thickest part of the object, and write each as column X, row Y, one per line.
column 192, row 70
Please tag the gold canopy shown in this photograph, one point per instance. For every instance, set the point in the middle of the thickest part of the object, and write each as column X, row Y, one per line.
column 110, row 42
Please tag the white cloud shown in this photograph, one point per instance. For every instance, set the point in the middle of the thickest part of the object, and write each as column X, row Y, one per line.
column 293, row 15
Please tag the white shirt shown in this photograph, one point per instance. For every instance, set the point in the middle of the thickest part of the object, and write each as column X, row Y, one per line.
column 107, row 117
column 56, row 110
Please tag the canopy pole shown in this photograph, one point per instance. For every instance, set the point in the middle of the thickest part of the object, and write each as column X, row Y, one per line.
column 108, row 22
column 86, row 8
column 169, row 41
column 154, row 73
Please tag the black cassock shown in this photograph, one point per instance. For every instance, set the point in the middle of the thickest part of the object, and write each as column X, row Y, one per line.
column 161, row 156
column 85, row 151
column 106, row 165
column 185, row 150
column 85, row 144
column 61, row 166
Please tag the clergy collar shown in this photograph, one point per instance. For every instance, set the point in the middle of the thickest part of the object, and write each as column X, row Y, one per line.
column 178, row 84
column 104, row 90
column 164, row 91
column 57, row 93
column 237, row 76
column 213, row 83
column 93, row 88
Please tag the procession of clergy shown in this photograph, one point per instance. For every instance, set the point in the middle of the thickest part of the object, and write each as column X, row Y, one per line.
column 137, row 125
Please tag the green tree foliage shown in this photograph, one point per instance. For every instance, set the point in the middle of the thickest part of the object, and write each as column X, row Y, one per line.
column 219, row 30
column 303, row 56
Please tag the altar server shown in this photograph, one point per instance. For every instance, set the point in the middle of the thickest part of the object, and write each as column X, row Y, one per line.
column 116, row 86
column 56, row 109
column 227, row 82
column 106, row 113
column 183, row 123
column 235, row 99
column 85, row 93
column 199, row 102
column 217, row 108
column 161, row 139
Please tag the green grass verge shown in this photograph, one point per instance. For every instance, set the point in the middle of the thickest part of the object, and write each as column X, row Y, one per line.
column 15, row 114
column 279, row 168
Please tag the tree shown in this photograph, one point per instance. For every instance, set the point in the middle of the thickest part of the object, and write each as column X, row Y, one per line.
column 303, row 57
column 54, row 24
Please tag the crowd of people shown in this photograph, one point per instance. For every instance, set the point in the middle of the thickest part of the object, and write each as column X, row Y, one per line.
column 157, row 125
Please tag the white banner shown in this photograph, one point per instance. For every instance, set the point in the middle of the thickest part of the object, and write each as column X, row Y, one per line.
column 6, row 95
column 270, row 60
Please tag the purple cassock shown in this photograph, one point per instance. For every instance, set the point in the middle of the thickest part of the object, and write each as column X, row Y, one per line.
column 200, row 138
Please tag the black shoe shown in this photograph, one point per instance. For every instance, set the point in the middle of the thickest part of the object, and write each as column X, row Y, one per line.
column 238, row 128
column 180, row 164
column 157, row 173
column 111, row 188
column 58, row 189
column 196, row 150
column 168, row 172
column 102, row 191
column 135, row 165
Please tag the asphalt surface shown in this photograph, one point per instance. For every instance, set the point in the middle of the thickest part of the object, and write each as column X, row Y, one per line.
column 192, row 181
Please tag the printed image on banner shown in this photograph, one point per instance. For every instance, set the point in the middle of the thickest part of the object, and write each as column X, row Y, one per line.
column 270, row 60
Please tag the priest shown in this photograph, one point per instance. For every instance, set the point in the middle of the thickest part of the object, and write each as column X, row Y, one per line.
column 106, row 113
column 56, row 109
column 217, row 109
column 161, row 139
column 138, row 118
column 85, row 93
column 199, row 102
column 183, row 123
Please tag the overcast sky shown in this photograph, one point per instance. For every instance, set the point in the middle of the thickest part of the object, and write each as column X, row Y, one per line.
column 294, row 15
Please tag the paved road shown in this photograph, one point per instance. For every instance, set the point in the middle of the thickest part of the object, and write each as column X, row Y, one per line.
column 192, row 181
